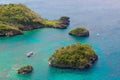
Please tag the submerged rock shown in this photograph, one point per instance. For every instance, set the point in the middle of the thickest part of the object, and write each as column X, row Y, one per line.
column 79, row 56
column 79, row 31
column 25, row 69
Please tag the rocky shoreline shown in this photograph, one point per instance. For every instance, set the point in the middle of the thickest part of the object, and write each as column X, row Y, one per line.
column 10, row 32
column 62, row 24
column 87, row 65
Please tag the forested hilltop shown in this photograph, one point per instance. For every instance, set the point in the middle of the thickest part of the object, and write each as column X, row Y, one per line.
column 16, row 18
column 76, row 55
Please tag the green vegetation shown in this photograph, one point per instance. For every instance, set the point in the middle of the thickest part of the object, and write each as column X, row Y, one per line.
column 8, row 30
column 18, row 14
column 63, row 22
column 79, row 31
column 4, row 26
column 73, row 56
column 20, row 17
column 25, row 69
column 49, row 22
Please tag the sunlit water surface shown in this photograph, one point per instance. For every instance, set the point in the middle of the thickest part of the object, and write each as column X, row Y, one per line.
column 99, row 16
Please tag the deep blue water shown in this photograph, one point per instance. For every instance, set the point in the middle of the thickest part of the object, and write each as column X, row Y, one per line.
column 99, row 16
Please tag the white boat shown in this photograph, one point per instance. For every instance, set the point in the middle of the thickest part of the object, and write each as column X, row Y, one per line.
column 98, row 34
column 49, row 63
column 29, row 54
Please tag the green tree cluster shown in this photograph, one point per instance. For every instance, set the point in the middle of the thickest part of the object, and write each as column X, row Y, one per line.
column 79, row 30
column 73, row 55
column 20, row 17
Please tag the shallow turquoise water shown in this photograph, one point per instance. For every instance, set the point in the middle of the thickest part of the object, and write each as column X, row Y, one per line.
column 99, row 16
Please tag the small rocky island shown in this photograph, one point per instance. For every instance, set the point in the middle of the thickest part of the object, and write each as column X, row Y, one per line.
column 25, row 69
column 78, row 56
column 16, row 18
column 79, row 31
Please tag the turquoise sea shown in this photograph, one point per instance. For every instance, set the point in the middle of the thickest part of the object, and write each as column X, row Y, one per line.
column 99, row 16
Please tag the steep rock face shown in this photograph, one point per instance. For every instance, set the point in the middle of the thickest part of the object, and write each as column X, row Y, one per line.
column 79, row 31
column 31, row 27
column 77, row 55
column 85, row 66
column 19, row 17
column 10, row 32
column 63, row 22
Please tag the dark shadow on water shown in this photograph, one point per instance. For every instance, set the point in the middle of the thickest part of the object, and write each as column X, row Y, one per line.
column 77, row 38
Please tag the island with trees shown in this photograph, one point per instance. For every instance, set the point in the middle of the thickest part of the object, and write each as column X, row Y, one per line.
column 79, row 31
column 78, row 56
column 25, row 69
column 16, row 18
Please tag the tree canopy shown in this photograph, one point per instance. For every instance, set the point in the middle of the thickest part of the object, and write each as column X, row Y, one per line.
column 73, row 55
